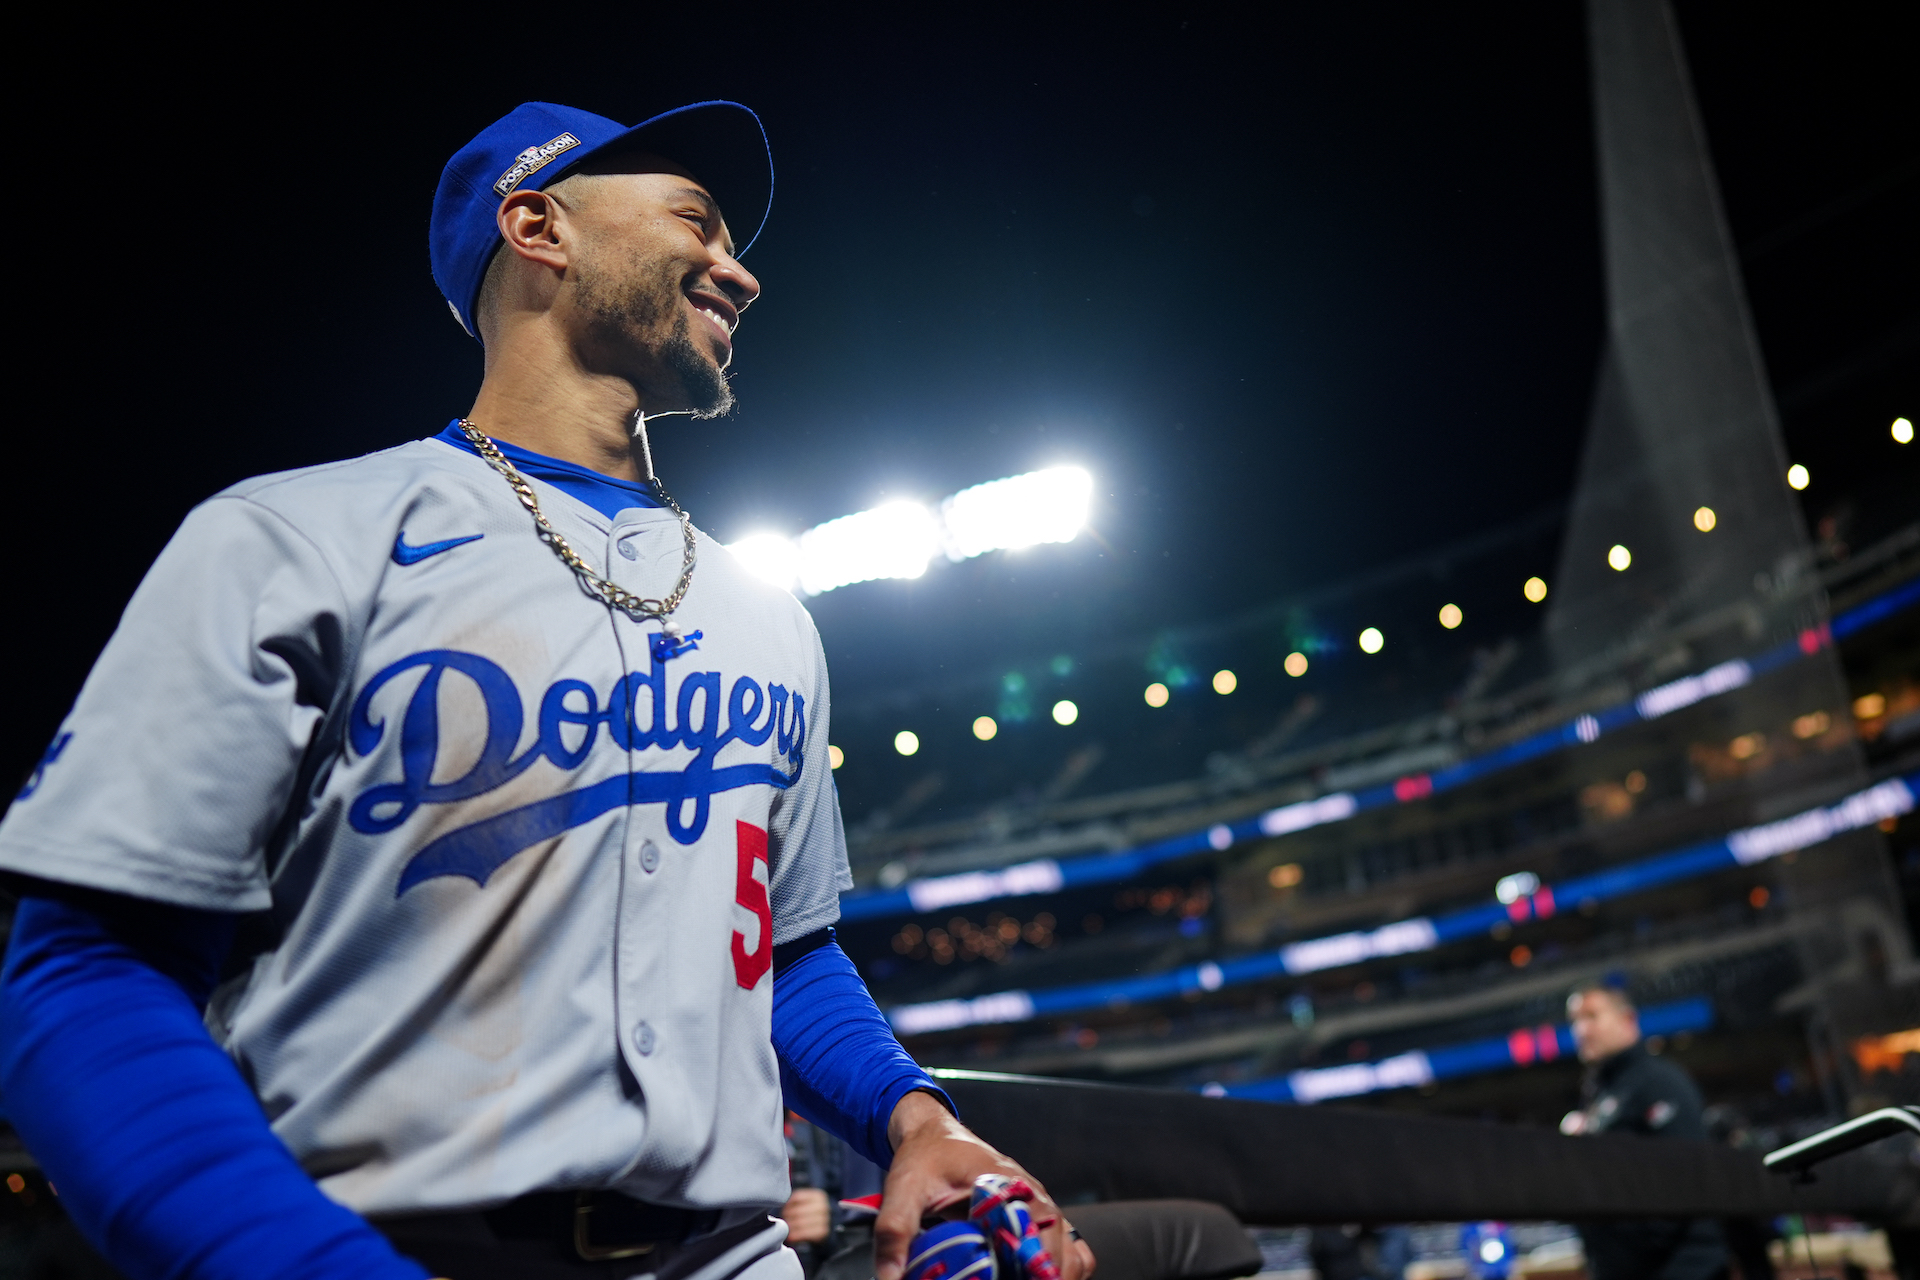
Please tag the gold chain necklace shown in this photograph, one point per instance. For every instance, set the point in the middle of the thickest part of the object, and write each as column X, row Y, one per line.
column 639, row 608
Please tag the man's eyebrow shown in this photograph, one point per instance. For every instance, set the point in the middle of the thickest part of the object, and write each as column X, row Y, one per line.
column 713, row 210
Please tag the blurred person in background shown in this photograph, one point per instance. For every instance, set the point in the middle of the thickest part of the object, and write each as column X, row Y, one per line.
column 808, row 1214
column 1629, row 1090
column 830, row 1238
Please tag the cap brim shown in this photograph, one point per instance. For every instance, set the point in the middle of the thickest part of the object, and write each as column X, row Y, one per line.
column 720, row 143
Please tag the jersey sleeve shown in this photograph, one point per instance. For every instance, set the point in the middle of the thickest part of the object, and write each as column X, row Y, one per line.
column 809, row 871
column 180, row 756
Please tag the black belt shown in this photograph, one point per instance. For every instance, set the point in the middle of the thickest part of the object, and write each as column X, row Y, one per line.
column 598, row 1224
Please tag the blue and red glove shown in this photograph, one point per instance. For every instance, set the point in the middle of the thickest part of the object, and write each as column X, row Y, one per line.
column 998, row 1240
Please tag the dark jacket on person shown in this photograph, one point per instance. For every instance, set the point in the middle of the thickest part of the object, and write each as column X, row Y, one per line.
column 1635, row 1092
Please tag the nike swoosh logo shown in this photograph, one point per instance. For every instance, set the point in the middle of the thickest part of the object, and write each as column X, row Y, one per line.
column 404, row 554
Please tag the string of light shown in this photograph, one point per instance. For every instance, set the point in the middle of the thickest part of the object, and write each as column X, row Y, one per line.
column 935, row 893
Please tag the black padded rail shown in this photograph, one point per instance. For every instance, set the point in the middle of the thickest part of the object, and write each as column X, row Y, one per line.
column 1280, row 1164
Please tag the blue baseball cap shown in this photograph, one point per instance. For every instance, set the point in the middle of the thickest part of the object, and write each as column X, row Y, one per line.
column 537, row 143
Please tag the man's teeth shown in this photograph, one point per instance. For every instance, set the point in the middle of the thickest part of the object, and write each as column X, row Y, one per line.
column 714, row 316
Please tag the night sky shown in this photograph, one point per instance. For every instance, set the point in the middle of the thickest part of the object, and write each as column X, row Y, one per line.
column 1309, row 293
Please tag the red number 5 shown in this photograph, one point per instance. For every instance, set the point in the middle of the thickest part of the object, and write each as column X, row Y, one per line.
column 750, row 891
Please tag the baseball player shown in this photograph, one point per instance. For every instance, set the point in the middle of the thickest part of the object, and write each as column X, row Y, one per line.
column 438, row 868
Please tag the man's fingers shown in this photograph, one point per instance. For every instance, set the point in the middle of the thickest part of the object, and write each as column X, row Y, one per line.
column 1072, row 1256
column 1054, row 1230
column 889, row 1252
column 894, row 1230
column 1054, row 1236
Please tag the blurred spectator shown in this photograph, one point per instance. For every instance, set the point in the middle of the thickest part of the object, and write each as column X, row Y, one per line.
column 825, row 1171
column 1628, row 1090
column 809, row 1216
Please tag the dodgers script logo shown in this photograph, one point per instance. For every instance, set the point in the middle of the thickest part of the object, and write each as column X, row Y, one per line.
column 568, row 709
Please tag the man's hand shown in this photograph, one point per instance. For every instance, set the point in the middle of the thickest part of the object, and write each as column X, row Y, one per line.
column 935, row 1160
column 808, row 1216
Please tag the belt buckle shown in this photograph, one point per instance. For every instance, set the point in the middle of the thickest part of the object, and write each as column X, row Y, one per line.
column 583, row 1243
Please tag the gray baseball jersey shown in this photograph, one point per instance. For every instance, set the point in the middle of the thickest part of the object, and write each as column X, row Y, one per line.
column 524, row 875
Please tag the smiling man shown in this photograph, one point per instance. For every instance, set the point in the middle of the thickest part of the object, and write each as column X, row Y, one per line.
column 438, row 868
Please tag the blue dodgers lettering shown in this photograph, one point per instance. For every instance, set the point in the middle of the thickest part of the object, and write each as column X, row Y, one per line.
column 569, row 719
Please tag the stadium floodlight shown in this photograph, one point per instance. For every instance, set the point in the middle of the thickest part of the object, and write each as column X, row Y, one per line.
column 1903, row 430
column 1798, row 476
column 1020, row 511
column 1371, row 641
column 899, row 539
column 892, row 541
column 769, row 557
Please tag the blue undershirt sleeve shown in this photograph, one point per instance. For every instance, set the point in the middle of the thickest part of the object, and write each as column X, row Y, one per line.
column 840, row 1065
column 162, row 1156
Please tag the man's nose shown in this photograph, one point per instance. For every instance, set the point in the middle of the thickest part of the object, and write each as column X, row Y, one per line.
column 735, row 281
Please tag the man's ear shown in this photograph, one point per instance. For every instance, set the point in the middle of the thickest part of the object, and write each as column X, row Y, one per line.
column 533, row 224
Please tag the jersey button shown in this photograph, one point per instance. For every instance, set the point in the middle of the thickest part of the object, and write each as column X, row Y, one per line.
column 649, row 857
column 628, row 550
column 643, row 1038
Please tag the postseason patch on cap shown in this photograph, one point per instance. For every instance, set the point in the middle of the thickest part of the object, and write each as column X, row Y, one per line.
column 532, row 161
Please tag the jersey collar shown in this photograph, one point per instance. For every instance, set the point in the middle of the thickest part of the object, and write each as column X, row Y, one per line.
column 603, row 493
